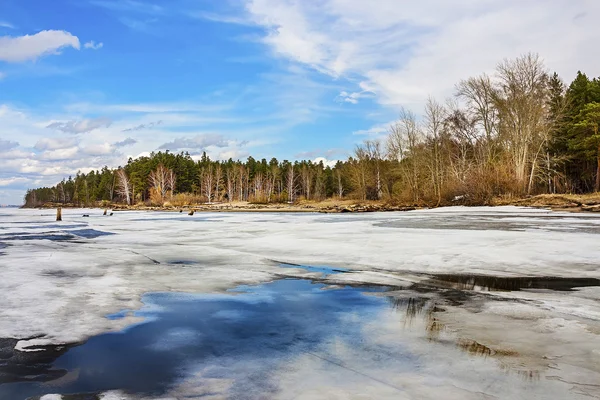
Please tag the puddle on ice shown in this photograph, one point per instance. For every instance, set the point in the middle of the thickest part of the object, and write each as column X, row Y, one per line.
column 325, row 271
column 254, row 340
column 58, row 235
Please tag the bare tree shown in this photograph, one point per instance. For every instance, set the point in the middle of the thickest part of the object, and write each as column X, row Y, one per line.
column 230, row 180
column 461, row 129
column 521, row 98
column 259, row 183
column 207, row 178
column 306, row 177
column 374, row 152
column 478, row 93
column 161, row 181
column 123, row 185
column 242, row 173
column 171, row 179
column 359, row 167
column 404, row 140
column 435, row 114
column 339, row 181
column 291, row 182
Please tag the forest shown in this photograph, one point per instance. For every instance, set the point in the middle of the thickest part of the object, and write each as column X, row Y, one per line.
column 518, row 131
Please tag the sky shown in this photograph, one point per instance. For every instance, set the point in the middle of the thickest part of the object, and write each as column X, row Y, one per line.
column 89, row 83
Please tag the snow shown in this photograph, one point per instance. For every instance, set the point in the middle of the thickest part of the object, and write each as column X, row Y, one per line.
column 61, row 291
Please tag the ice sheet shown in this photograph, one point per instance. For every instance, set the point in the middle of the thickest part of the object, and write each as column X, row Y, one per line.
column 62, row 279
column 55, row 283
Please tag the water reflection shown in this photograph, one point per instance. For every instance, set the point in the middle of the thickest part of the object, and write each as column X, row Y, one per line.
column 242, row 338
column 236, row 337
column 424, row 311
column 504, row 283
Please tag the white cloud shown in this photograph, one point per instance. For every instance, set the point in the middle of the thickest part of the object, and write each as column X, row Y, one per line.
column 4, row 182
column 98, row 149
column 59, row 154
column 198, row 142
column 129, row 6
column 93, row 45
column 222, row 129
column 375, row 131
column 234, row 154
column 354, row 97
column 2, row 75
column 405, row 52
column 32, row 47
column 214, row 17
column 55, row 143
column 14, row 154
column 326, row 162
column 83, row 126
column 4, row 24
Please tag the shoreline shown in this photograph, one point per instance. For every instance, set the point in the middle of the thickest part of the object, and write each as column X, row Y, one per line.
column 565, row 203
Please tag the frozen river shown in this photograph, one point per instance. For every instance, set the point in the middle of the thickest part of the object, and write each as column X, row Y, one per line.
column 453, row 303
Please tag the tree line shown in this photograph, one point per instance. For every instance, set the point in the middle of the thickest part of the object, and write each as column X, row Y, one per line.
column 519, row 131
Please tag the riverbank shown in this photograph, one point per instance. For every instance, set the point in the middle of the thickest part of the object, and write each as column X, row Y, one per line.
column 556, row 202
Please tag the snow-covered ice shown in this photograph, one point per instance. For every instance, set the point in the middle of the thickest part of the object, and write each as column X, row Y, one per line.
column 62, row 279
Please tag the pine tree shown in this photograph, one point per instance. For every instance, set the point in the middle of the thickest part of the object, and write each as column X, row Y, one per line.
column 585, row 140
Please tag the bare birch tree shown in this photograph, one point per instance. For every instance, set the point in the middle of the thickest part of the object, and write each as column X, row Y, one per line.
column 340, row 182
column 435, row 114
column 291, row 182
column 161, row 181
column 230, row 181
column 171, row 180
column 403, row 141
column 374, row 153
column 207, row 178
column 123, row 185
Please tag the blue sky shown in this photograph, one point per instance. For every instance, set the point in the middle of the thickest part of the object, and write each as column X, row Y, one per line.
column 88, row 83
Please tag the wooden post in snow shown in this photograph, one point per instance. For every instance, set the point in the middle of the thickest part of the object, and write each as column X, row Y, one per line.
column 59, row 214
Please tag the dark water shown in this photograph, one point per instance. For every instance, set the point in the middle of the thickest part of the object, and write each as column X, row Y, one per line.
column 240, row 336
column 57, row 235
column 471, row 282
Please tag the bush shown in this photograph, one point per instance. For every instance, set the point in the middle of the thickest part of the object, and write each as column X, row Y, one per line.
column 185, row 199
